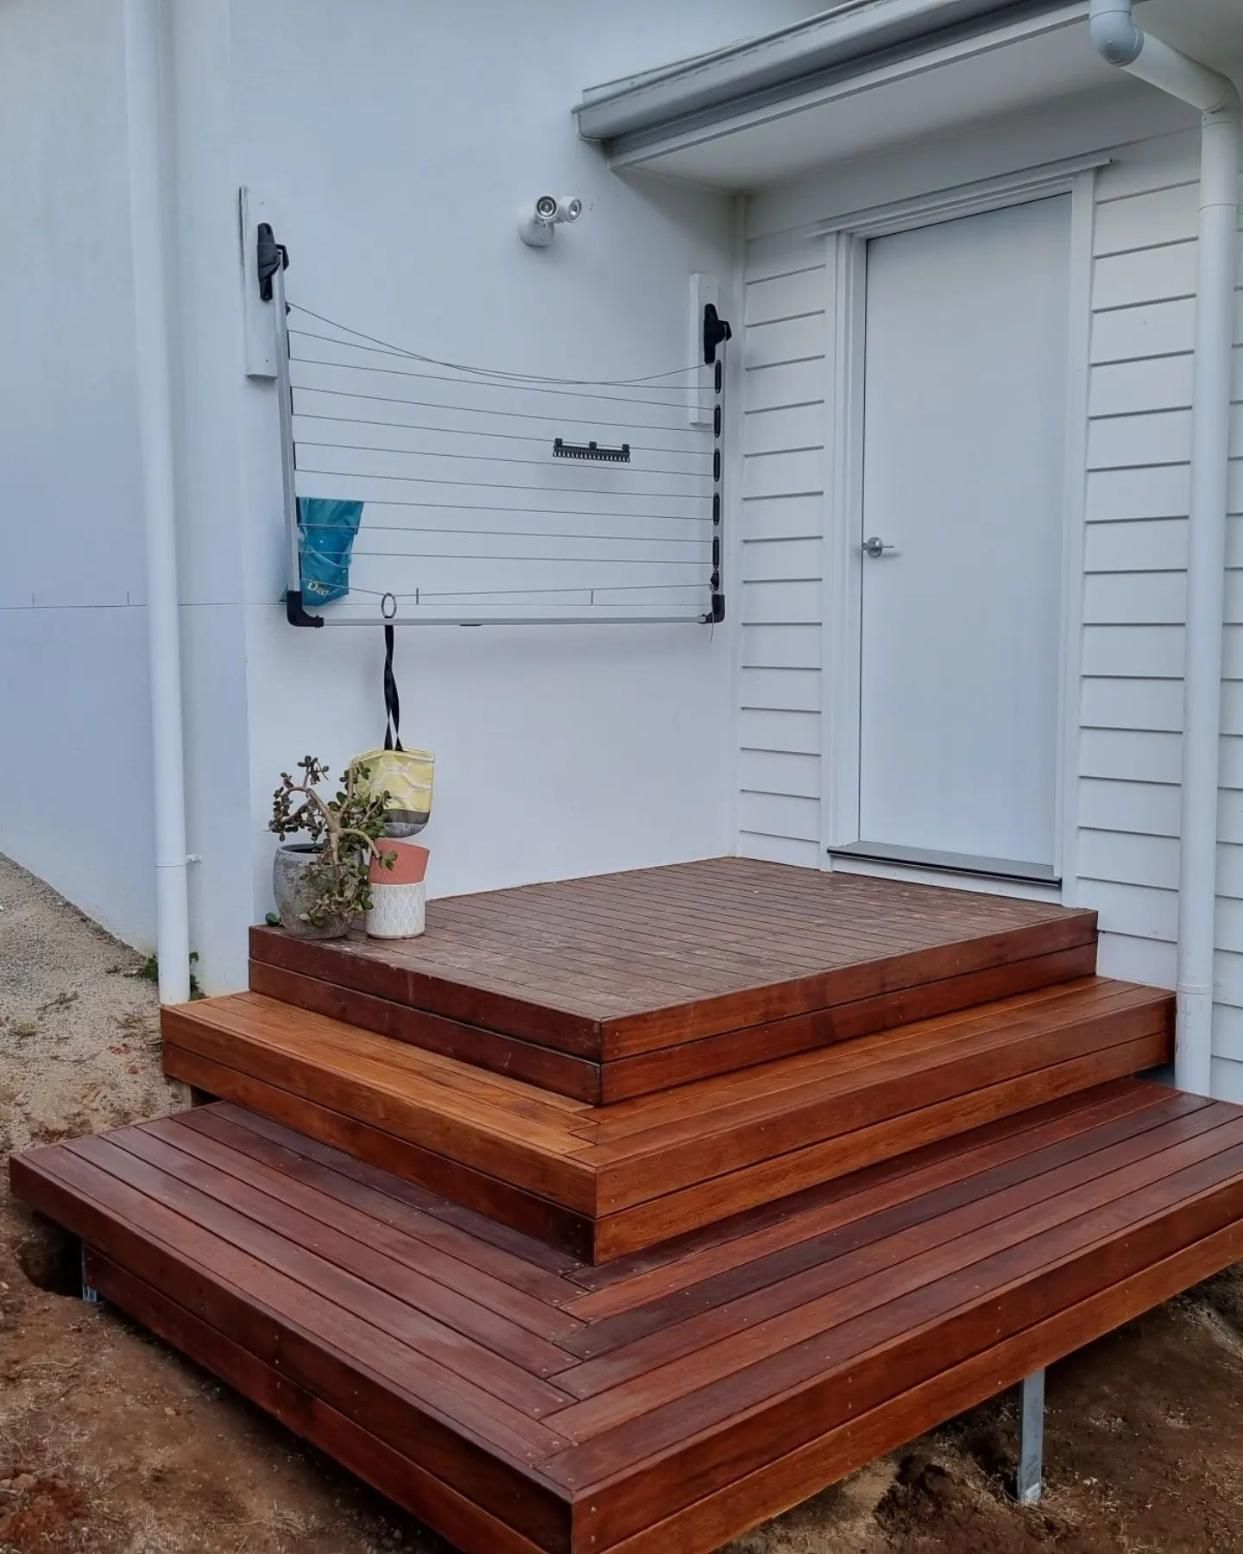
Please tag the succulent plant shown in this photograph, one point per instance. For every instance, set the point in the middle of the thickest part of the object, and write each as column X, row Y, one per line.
column 344, row 830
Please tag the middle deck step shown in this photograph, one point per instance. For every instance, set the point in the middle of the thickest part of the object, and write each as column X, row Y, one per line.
column 604, row 1182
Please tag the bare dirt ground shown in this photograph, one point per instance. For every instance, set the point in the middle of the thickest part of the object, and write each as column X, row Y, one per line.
column 110, row 1444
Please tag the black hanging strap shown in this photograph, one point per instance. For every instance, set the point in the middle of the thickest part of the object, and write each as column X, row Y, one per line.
column 392, row 702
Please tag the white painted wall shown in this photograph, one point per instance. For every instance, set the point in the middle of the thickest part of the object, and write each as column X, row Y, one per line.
column 398, row 147
column 75, row 794
column 395, row 149
column 1130, row 615
column 396, row 141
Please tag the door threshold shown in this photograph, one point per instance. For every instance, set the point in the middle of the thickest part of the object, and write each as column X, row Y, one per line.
column 949, row 863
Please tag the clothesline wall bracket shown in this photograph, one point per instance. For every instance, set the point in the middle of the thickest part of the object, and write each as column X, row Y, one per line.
column 484, row 503
column 600, row 453
column 271, row 262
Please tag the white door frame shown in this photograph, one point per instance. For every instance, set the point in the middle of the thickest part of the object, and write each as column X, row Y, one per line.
column 846, row 268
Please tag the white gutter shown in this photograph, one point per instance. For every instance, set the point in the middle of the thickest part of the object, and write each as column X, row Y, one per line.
column 1122, row 43
column 776, row 61
column 143, row 48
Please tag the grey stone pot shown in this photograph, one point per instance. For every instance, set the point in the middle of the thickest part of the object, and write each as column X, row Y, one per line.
column 295, row 894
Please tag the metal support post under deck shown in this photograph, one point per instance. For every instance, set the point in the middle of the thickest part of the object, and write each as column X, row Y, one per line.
column 1031, row 1440
column 89, row 1293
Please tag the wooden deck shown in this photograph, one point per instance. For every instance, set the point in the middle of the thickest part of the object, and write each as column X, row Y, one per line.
column 605, row 1181
column 522, row 1402
column 615, row 1216
column 620, row 985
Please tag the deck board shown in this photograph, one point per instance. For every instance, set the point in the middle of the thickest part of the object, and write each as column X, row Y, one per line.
column 623, row 984
column 525, row 1403
column 603, row 1182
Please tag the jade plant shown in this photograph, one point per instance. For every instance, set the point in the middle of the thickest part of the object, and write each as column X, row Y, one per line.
column 344, row 831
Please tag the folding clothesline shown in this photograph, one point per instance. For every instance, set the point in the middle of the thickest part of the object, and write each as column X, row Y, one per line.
column 500, row 497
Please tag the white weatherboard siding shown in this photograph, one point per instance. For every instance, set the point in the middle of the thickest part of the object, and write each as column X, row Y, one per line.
column 1124, row 848
column 780, row 552
column 1134, row 589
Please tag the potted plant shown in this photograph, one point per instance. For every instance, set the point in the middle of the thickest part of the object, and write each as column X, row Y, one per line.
column 321, row 884
column 399, row 893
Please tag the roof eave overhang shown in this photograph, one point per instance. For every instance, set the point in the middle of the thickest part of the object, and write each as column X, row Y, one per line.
column 791, row 62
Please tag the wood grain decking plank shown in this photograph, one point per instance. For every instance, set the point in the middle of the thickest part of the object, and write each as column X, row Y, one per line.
column 704, row 1387
column 526, row 1262
column 629, row 1281
column 334, row 1268
column 705, row 1524
column 495, row 1313
column 653, row 1309
column 526, row 1212
column 719, row 1197
column 751, row 1095
column 838, row 1274
column 609, row 1181
column 529, row 1294
column 366, row 1456
column 618, row 966
column 697, row 1445
column 651, row 1164
column 665, row 1068
column 559, row 1072
column 473, row 1446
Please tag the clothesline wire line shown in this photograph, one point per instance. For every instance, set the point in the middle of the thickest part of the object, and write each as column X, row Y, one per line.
column 480, row 593
column 440, row 555
column 522, row 534
column 489, row 507
column 465, row 431
column 502, row 485
column 487, row 458
column 440, row 377
column 494, row 379
column 389, row 348
column 515, row 415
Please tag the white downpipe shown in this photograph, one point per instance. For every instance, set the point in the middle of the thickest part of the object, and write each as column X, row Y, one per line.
column 143, row 47
column 1122, row 43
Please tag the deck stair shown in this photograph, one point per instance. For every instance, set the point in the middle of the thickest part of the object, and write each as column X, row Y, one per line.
column 618, row 1215
column 603, row 1181
column 610, row 988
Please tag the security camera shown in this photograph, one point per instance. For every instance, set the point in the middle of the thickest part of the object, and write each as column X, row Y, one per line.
column 551, row 210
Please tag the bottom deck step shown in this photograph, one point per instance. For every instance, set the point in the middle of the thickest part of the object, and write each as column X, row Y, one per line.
column 521, row 1402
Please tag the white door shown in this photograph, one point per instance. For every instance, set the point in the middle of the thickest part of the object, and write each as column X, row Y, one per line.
column 964, row 477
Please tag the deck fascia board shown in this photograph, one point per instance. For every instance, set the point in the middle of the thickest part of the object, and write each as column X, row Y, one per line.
column 903, row 1298
column 631, row 1035
column 510, row 1489
column 691, row 1468
column 705, row 1524
column 619, row 985
column 598, row 1178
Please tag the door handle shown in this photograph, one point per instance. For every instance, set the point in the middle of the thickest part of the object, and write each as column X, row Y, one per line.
column 876, row 548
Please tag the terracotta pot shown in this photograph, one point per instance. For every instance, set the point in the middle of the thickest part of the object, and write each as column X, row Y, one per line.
column 398, row 895
column 295, row 893
column 409, row 867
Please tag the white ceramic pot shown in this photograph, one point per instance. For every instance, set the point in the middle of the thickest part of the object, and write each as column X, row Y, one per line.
column 397, row 911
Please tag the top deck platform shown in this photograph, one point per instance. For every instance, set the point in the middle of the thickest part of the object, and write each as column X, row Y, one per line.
column 674, row 973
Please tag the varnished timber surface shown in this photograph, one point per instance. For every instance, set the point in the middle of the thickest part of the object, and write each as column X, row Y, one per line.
column 602, row 1182
column 622, row 984
column 521, row 1401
